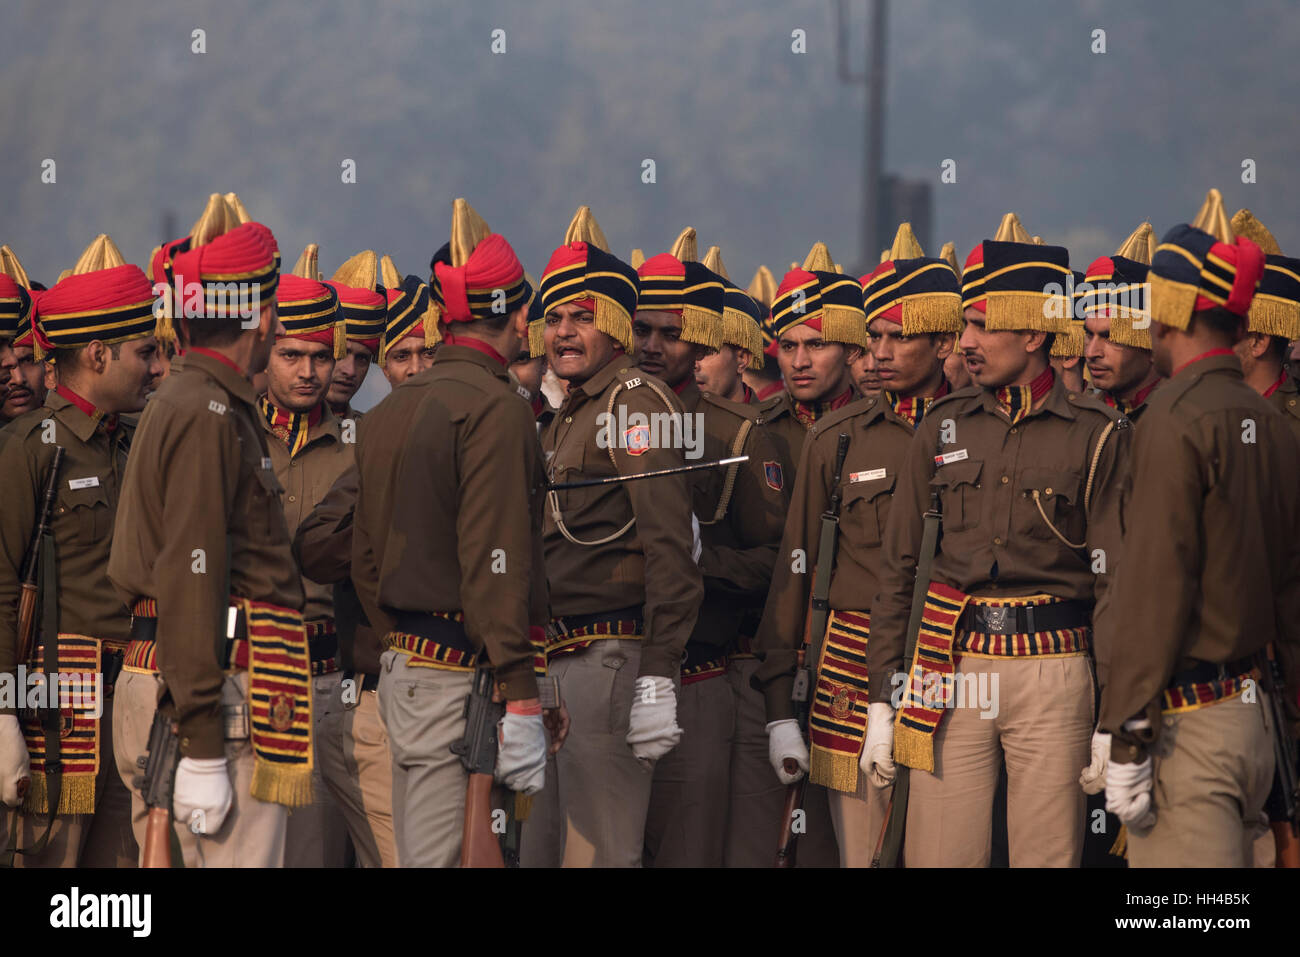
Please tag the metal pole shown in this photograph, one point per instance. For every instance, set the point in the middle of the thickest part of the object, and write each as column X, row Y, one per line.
column 875, row 145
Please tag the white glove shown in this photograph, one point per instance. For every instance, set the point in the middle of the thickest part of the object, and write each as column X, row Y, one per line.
column 201, row 797
column 877, row 761
column 1093, row 777
column 785, row 740
column 15, row 764
column 652, row 727
column 1128, row 794
column 697, row 547
column 521, row 751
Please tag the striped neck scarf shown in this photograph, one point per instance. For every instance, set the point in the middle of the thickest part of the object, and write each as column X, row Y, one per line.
column 1126, row 407
column 809, row 412
column 289, row 427
column 913, row 410
column 1016, row 400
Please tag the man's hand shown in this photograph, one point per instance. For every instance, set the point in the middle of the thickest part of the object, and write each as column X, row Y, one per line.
column 787, row 750
column 652, row 726
column 877, row 759
column 1128, row 794
column 521, row 747
column 201, row 796
column 15, row 763
column 557, row 724
column 1093, row 777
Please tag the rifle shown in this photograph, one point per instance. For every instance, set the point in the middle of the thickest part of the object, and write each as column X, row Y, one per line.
column 478, row 753
column 1284, row 747
column 156, row 786
column 29, row 593
column 676, row 470
column 810, row 651
column 890, row 842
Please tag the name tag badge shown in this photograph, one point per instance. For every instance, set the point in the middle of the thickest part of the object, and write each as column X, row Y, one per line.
column 868, row 476
column 949, row 457
column 266, row 464
column 90, row 482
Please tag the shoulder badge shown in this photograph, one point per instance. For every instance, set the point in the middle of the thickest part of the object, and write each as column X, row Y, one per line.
column 632, row 382
column 637, row 440
column 774, row 476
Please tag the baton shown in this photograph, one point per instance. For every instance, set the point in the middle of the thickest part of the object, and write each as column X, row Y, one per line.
column 611, row 479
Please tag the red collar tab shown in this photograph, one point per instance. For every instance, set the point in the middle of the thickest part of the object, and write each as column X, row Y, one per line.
column 200, row 350
column 469, row 342
column 1204, row 355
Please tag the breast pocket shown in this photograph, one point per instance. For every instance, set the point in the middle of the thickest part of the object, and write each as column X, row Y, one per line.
column 1048, row 497
column 84, row 514
column 959, row 490
column 866, row 507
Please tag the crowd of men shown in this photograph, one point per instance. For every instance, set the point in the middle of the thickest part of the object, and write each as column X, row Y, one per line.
column 740, row 561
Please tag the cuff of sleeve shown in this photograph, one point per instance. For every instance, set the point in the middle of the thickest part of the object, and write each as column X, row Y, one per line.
column 202, row 736
column 1126, row 752
column 659, row 663
column 518, row 682
column 776, row 695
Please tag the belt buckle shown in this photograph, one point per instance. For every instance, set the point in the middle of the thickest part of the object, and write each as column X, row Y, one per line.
column 995, row 618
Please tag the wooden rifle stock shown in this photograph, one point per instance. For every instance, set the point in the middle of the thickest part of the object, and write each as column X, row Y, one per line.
column 27, row 596
column 479, row 847
column 158, row 838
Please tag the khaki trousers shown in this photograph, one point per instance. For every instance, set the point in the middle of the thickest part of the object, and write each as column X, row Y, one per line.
column 592, row 812
column 1042, row 729
column 686, row 824
column 357, row 767
column 757, row 798
column 253, row 833
column 423, row 709
column 858, row 818
column 1213, row 768
column 317, row 834
column 102, row 839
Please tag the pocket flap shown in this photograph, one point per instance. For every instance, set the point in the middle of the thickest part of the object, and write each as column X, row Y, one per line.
column 958, row 473
column 1051, row 483
column 868, row 489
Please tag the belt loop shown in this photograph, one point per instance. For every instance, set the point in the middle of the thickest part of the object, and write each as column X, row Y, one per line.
column 1029, row 620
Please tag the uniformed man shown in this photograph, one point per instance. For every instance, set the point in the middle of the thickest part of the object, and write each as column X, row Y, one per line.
column 913, row 312
column 764, row 381
column 356, row 762
column 1025, row 471
column 201, row 553
column 22, row 373
column 680, row 319
column 447, row 547
column 366, row 314
column 1210, row 533
column 310, row 448
column 625, row 589
column 1117, row 334
column 98, row 324
column 818, row 333
column 1274, row 321
column 722, row 373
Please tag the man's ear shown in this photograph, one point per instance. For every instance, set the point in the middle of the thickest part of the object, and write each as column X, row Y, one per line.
column 852, row 354
column 521, row 324
column 268, row 321
column 743, row 360
column 96, row 356
column 1034, row 340
column 946, row 343
column 1258, row 344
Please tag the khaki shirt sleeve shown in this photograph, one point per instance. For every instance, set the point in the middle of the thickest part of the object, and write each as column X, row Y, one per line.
column 786, row 613
column 756, row 513
column 1106, row 534
column 198, row 471
column 494, row 532
column 1143, row 636
column 892, row 607
column 20, row 489
column 322, row 546
column 662, row 506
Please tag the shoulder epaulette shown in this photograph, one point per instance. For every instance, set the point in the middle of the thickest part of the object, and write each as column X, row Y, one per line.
column 740, row 409
column 1091, row 401
column 855, row 408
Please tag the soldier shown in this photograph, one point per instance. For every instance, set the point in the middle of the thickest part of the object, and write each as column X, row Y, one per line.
column 201, row 554
column 625, row 589
column 22, row 373
column 681, row 316
column 1118, row 340
column 954, row 369
column 1210, row 529
column 366, row 313
column 98, row 323
column 722, row 373
column 1025, row 470
column 310, row 448
column 818, row 332
column 764, row 381
column 913, row 311
column 456, row 449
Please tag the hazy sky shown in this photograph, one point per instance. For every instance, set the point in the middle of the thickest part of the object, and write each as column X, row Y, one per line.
column 758, row 147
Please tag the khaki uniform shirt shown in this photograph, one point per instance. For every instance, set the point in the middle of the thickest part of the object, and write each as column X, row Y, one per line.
column 81, row 520
column 1211, row 566
column 878, row 445
column 1286, row 399
column 739, row 549
column 649, row 564
column 200, row 487
column 776, row 415
column 322, row 547
column 449, row 509
column 329, row 452
column 994, row 542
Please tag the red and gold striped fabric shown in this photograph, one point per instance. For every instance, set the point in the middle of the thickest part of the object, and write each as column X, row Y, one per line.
column 80, row 705
column 1189, row 697
column 575, row 639
column 427, row 653
column 279, row 699
column 837, row 722
column 713, row 668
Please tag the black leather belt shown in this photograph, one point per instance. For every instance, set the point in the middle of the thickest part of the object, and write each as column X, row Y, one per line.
column 445, row 631
column 323, row 647
column 1206, row 671
column 145, row 628
column 1025, row 619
